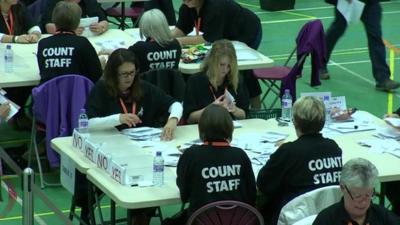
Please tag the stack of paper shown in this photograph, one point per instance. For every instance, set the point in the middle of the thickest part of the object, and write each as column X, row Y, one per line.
column 143, row 133
column 273, row 136
column 349, row 127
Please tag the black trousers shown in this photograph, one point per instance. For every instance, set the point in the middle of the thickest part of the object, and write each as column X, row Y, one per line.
column 371, row 18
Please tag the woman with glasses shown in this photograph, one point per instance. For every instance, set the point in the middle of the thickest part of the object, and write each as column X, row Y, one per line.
column 218, row 83
column 308, row 163
column 65, row 52
column 357, row 182
column 120, row 99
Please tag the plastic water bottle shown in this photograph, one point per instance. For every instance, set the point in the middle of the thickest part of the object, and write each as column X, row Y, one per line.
column 287, row 106
column 158, row 169
column 83, row 122
column 8, row 59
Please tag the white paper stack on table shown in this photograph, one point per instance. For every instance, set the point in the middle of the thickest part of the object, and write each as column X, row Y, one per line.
column 85, row 23
column 143, row 133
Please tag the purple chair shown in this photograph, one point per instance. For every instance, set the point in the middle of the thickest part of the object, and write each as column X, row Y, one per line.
column 310, row 40
column 56, row 106
column 120, row 14
column 226, row 213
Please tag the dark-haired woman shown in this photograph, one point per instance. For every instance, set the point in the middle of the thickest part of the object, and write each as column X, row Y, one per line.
column 215, row 170
column 120, row 99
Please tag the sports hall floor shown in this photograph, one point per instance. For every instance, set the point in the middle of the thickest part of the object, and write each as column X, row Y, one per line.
column 350, row 71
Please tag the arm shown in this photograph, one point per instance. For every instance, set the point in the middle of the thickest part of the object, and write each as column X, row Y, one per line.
column 191, row 40
column 51, row 28
column 175, row 115
column 99, row 28
column 237, row 112
column 99, row 123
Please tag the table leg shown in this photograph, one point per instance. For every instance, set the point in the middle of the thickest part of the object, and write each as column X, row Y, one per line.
column 112, row 212
column 382, row 194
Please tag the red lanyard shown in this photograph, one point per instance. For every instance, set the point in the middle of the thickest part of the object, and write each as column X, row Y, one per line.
column 197, row 24
column 9, row 22
column 124, row 107
column 217, row 143
column 65, row 32
column 212, row 91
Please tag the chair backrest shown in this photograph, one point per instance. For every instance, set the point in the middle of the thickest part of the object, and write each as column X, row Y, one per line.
column 169, row 80
column 57, row 104
column 310, row 40
column 308, row 204
column 226, row 213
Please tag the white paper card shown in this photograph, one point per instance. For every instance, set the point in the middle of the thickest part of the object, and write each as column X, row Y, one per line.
column 14, row 108
column 67, row 173
column 85, row 23
column 351, row 11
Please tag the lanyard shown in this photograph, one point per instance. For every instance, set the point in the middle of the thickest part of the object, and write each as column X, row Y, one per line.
column 217, row 143
column 65, row 32
column 124, row 107
column 212, row 91
column 197, row 24
column 9, row 22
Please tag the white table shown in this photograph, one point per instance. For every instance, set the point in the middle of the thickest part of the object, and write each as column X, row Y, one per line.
column 139, row 197
column 262, row 61
column 26, row 70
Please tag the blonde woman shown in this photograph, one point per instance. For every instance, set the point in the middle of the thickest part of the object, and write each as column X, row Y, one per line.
column 159, row 50
column 16, row 25
column 217, row 83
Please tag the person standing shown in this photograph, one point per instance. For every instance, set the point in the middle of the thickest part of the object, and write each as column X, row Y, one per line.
column 371, row 18
column 221, row 19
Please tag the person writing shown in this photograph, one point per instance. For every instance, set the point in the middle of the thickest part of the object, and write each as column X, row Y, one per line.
column 197, row 182
column 221, row 19
column 90, row 8
column 218, row 83
column 65, row 52
column 120, row 99
column 16, row 24
column 357, row 182
column 308, row 163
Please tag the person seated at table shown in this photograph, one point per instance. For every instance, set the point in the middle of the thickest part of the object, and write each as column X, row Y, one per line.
column 219, row 19
column 4, row 111
column 217, row 83
column 16, row 25
column 159, row 50
column 90, row 8
column 296, row 167
column 393, row 187
column 202, row 171
column 357, row 182
column 120, row 99
column 65, row 52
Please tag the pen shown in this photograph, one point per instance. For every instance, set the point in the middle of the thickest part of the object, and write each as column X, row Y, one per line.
column 353, row 127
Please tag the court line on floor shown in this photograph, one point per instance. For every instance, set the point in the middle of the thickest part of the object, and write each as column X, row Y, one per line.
column 37, row 218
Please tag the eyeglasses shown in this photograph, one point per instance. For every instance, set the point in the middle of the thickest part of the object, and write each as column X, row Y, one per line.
column 359, row 197
column 127, row 74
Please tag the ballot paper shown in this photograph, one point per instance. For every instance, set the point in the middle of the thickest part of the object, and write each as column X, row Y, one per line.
column 14, row 108
column 394, row 122
column 351, row 11
column 85, row 23
column 350, row 127
column 142, row 133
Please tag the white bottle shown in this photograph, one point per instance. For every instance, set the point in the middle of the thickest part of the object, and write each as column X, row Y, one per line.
column 287, row 106
column 8, row 59
column 158, row 169
column 83, row 122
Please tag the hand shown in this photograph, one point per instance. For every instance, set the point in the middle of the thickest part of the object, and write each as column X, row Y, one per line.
column 79, row 30
column 4, row 110
column 221, row 101
column 169, row 129
column 33, row 38
column 96, row 28
column 129, row 119
column 349, row 1
column 23, row 39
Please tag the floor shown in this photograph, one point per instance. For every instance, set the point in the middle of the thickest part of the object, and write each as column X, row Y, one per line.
column 350, row 70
